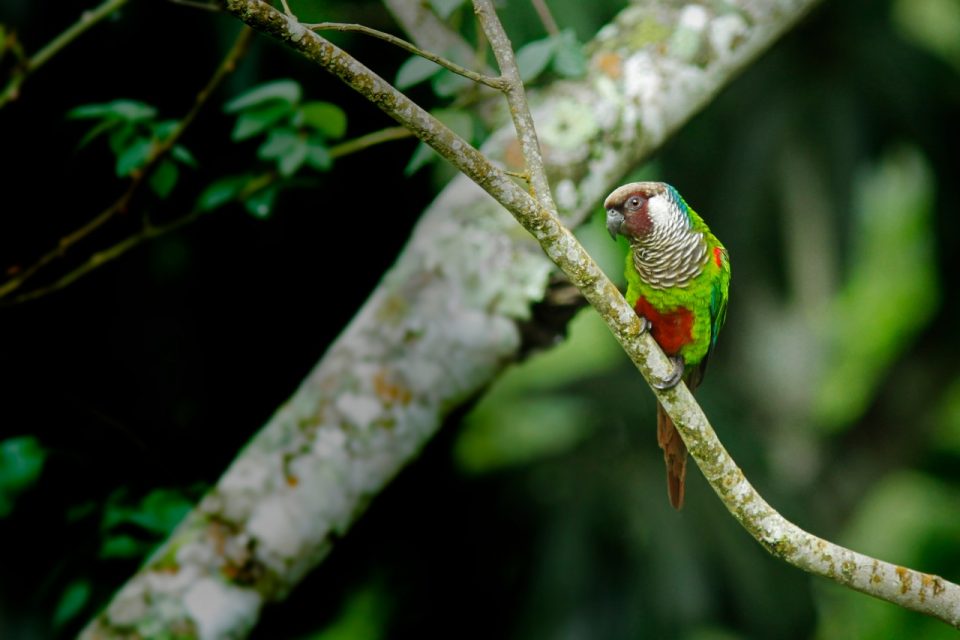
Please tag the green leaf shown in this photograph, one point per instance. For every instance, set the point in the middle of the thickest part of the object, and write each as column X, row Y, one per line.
column 325, row 117
column 294, row 158
column 533, row 57
column 163, row 130
column 123, row 546
column 460, row 121
column 257, row 120
column 221, row 192
column 121, row 136
column 183, row 155
column 414, row 71
column 100, row 128
column 164, row 178
column 931, row 24
column 318, row 156
column 278, row 143
column 569, row 60
column 72, row 602
column 362, row 616
column 445, row 8
column 287, row 91
column 134, row 156
column 157, row 514
column 260, row 204
column 21, row 461
column 128, row 110
column 421, row 156
column 161, row 510
column 448, row 84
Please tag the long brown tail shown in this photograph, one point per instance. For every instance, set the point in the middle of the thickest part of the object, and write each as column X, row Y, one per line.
column 674, row 455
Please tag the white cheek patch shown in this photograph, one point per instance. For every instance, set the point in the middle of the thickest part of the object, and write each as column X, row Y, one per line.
column 661, row 212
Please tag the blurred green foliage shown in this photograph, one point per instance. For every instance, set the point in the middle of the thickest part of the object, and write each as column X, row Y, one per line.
column 890, row 292
column 133, row 132
column 21, row 462
column 297, row 135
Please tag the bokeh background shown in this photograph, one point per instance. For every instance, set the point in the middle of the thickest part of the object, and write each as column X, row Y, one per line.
column 829, row 169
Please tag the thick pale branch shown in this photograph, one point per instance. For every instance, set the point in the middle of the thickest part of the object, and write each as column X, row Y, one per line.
column 439, row 328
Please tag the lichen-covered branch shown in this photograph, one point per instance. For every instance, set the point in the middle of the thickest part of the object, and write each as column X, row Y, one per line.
column 439, row 328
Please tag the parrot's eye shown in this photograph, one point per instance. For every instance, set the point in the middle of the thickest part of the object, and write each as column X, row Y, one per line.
column 634, row 203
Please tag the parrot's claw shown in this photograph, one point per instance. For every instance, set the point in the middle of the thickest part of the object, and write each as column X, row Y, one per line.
column 645, row 325
column 675, row 377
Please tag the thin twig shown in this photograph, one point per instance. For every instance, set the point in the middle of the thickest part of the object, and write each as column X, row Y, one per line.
column 366, row 141
column 428, row 32
column 100, row 258
column 546, row 17
column 149, row 231
column 496, row 83
column 157, row 153
column 87, row 19
column 517, row 101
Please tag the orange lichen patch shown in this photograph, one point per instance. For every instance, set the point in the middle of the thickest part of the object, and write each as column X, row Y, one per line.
column 906, row 579
column 938, row 587
column 609, row 63
column 931, row 583
column 292, row 480
column 389, row 391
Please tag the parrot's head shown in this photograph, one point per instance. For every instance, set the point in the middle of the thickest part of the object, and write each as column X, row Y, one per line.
column 637, row 209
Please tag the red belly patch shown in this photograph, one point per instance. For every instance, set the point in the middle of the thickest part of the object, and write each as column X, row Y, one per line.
column 671, row 330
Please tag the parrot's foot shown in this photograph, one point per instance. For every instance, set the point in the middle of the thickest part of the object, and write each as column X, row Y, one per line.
column 645, row 325
column 675, row 377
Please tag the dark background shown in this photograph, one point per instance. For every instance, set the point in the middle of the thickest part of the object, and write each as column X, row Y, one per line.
column 150, row 373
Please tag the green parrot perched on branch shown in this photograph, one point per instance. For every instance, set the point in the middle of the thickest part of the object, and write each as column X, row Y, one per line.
column 678, row 275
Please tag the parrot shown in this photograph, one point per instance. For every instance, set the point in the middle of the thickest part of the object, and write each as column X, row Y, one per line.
column 678, row 276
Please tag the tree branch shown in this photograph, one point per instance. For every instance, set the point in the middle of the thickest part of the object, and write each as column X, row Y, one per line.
column 517, row 102
column 88, row 19
column 430, row 337
column 430, row 34
column 493, row 83
column 546, row 17
column 158, row 152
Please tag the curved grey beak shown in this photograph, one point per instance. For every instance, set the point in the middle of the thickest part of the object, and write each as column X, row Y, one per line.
column 614, row 222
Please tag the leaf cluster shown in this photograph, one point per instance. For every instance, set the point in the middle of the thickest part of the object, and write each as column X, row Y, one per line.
column 134, row 134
